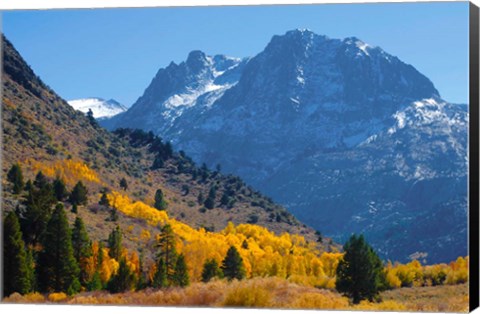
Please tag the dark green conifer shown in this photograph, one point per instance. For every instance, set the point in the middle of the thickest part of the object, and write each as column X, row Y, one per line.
column 360, row 273
column 123, row 280
column 57, row 268
column 104, row 200
column 160, row 278
column 211, row 270
column 16, row 268
column 95, row 283
column 124, row 184
column 15, row 177
column 82, row 247
column 180, row 276
column 210, row 201
column 60, row 189
column 160, row 202
column 40, row 180
column 115, row 243
column 232, row 265
column 167, row 251
column 37, row 211
column 79, row 195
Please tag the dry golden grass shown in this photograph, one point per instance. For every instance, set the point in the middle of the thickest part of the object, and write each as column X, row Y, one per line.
column 431, row 299
column 269, row 293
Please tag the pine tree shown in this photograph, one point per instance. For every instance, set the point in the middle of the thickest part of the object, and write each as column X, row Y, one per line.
column 16, row 267
column 40, row 180
column 15, row 177
column 91, row 118
column 180, row 276
column 82, row 248
column 210, row 201
column 360, row 272
column 160, row 202
column 100, row 256
column 211, row 270
column 123, row 280
column 95, row 283
column 124, row 184
column 160, row 278
column 28, row 185
column 167, row 251
column 115, row 243
column 104, row 200
column 232, row 265
column 79, row 194
column 200, row 198
column 57, row 268
column 31, row 275
column 36, row 213
column 141, row 282
column 60, row 189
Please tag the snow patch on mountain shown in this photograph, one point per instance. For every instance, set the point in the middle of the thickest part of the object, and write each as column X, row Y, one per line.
column 101, row 108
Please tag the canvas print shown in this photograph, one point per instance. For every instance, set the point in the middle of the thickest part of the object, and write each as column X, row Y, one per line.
column 288, row 157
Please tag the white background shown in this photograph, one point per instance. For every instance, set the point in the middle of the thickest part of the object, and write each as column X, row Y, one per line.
column 46, row 4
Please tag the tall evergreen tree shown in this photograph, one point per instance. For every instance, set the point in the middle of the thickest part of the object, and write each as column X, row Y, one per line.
column 15, row 177
column 160, row 202
column 60, row 189
column 115, row 243
column 211, row 270
column 167, row 251
column 31, row 269
column 180, row 276
column 95, row 283
column 100, row 256
column 40, row 180
column 123, row 280
column 36, row 213
column 82, row 248
column 210, row 201
column 360, row 272
column 79, row 195
column 160, row 279
column 16, row 269
column 232, row 265
column 141, row 281
column 57, row 268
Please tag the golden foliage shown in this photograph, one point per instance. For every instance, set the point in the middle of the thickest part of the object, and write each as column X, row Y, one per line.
column 263, row 252
column 413, row 274
column 57, row 297
column 70, row 171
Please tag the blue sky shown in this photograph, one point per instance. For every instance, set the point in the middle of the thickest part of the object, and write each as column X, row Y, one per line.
column 115, row 53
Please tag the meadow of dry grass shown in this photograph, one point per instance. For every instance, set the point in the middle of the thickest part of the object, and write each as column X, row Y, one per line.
column 268, row 293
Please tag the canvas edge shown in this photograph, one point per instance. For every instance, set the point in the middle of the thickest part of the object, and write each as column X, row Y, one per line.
column 474, row 158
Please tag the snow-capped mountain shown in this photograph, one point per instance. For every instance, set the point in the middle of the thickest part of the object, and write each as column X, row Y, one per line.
column 101, row 108
column 347, row 136
column 177, row 89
